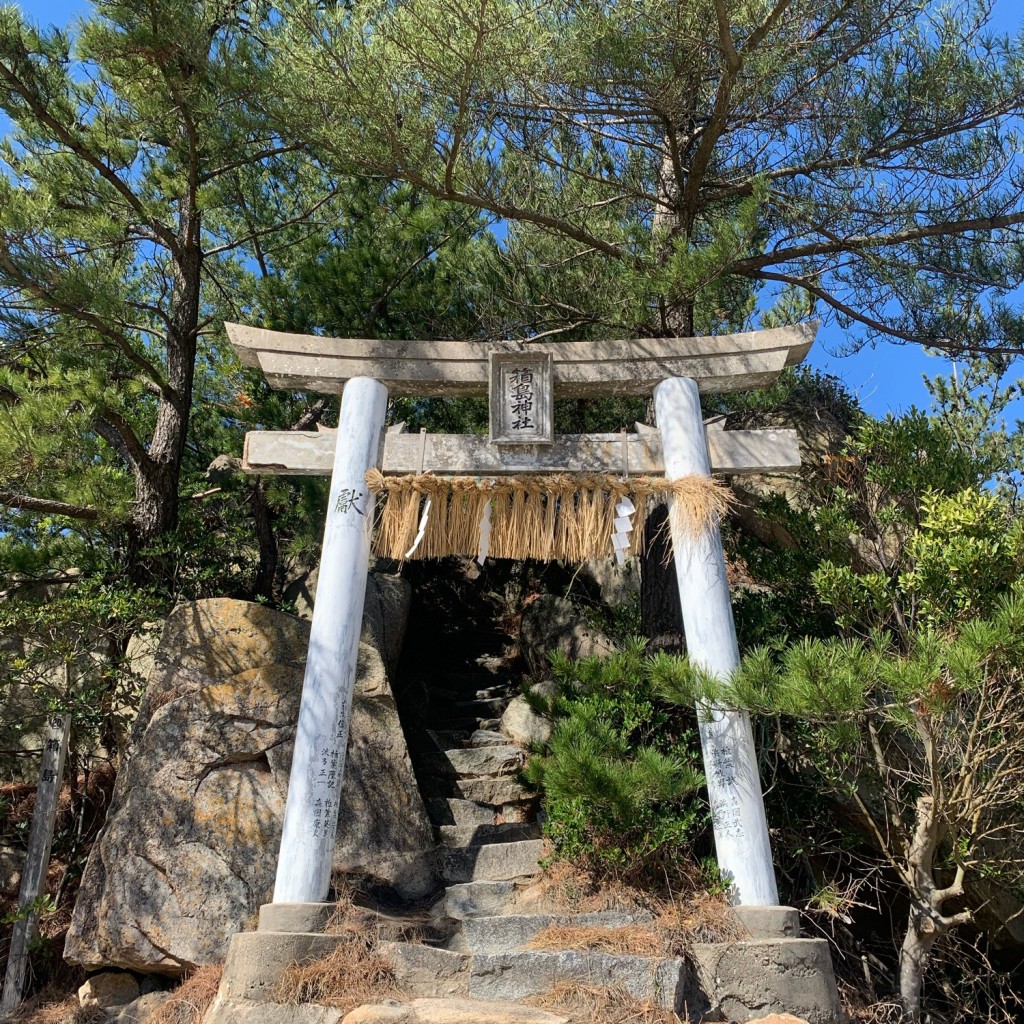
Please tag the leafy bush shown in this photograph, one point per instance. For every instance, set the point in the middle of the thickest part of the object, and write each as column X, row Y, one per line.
column 620, row 774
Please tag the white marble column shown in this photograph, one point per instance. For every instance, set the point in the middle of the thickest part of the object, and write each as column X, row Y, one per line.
column 730, row 761
column 318, row 764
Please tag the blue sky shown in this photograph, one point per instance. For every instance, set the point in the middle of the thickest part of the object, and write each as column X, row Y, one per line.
column 885, row 377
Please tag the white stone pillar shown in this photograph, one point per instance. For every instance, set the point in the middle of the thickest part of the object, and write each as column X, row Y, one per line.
column 321, row 738
column 727, row 741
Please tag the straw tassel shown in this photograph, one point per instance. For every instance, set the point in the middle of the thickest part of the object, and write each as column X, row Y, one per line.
column 548, row 517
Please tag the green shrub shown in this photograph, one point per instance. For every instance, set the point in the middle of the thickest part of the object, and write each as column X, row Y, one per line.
column 619, row 776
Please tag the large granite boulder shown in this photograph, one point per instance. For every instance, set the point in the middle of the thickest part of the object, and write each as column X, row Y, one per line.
column 552, row 623
column 190, row 846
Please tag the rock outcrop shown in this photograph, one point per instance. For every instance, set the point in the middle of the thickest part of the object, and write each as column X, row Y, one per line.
column 190, row 846
column 554, row 624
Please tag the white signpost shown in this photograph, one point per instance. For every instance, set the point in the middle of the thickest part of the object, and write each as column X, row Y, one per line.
column 675, row 370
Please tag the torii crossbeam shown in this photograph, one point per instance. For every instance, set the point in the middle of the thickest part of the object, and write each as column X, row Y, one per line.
column 521, row 379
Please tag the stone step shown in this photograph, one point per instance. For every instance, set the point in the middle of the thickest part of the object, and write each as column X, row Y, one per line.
column 495, row 664
column 482, row 708
column 474, row 761
column 442, row 720
column 460, row 812
column 477, row 835
column 426, row 971
column 484, row 671
column 506, row 932
column 498, row 791
column 494, row 791
column 434, row 740
column 474, row 693
column 494, row 862
column 451, row 1010
column 439, row 739
column 487, row 738
column 479, row 899
column 663, row 982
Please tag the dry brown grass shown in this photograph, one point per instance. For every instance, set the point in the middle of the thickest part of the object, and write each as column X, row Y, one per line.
column 585, row 1005
column 699, row 917
column 629, row 940
column 350, row 976
column 46, row 1009
column 690, row 915
column 190, row 1000
column 566, row 888
column 375, row 925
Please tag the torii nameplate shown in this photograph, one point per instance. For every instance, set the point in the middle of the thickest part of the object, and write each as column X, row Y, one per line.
column 581, row 369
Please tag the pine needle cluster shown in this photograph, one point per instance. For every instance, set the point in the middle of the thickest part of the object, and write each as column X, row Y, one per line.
column 620, row 775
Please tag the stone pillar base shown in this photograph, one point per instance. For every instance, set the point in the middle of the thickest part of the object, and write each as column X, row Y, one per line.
column 257, row 961
column 744, row 981
column 295, row 917
column 769, row 922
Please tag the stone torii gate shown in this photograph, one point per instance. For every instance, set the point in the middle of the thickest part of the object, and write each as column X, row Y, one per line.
column 521, row 379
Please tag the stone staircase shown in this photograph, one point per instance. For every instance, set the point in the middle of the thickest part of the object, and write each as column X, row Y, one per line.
column 486, row 825
column 458, row 672
column 451, row 704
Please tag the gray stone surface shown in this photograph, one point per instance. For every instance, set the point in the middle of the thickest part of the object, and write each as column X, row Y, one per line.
column 11, row 863
column 479, row 899
column 475, row 1011
column 552, row 623
column 296, row 917
column 108, row 989
column 521, row 724
column 747, row 980
column 514, row 931
column 189, row 848
column 427, row 971
column 614, row 584
column 461, row 812
column 472, row 835
column 243, row 1011
column 769, row 922
column 391, row 1012
column 490, row 760
column 496, row 792
column 491, row 862
column 487, row 738
column 256, row 961
column 140, row 1010
column 666, row 983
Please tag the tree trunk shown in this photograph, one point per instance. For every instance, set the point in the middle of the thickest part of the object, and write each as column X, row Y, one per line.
column 266, row 572
column 661, row 617
column 914, row 953
column 156, row 480
column 927, row 922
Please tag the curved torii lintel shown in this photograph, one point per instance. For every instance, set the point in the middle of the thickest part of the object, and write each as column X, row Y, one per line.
column 582, row 369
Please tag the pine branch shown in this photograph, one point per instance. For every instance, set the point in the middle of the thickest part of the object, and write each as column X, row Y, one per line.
column 119, row 434
column 27, row 503
column 41, row 111
column 868, row 243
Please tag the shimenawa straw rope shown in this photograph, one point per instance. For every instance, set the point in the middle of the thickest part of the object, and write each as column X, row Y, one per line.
column 552, row 518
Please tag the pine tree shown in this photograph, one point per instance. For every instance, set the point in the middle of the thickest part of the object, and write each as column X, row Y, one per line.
column 136, row 156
